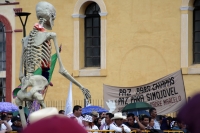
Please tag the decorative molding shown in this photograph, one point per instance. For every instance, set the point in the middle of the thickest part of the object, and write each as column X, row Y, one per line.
column 90, row 72
column 101, row 71
column 103, row 43
column 103, row 13
column 80, row 3
column 184, row 40
column 18, row 30
column 7, row 24
column 193, row 70
column 187, row 68
column 12, row 3
column 83, row 16
column 186, row 8
column 17, row 10
column 78, row 16
column 76, row 45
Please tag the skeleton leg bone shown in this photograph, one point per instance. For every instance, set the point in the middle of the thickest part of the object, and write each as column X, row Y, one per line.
column 38, row 83
column 21, row 111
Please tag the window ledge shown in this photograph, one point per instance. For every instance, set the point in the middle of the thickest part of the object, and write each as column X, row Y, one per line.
column 90, row 72
column 193, row 69
column 2, row 74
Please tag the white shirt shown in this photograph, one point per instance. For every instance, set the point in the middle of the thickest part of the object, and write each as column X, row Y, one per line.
column 3, row 127
column 156, row 124
column 117, row 129
column 94, row 127
column 103, row 121
column 105, row 127
column 79, row 119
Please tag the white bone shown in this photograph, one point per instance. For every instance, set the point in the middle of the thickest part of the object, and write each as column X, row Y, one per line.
column 35, row 52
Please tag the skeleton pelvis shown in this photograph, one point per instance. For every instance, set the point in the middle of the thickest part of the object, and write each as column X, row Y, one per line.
column 37, row 82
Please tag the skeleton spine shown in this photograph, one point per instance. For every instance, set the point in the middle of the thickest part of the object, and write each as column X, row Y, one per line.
column 35, row 54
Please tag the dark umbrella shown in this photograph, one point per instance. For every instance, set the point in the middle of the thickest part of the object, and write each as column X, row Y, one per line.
column 137, row 106
column 140, row 112
column 8, row 107
column 90, row 109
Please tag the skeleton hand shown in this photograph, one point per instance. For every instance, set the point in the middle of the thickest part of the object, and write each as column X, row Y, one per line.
column 86, row 94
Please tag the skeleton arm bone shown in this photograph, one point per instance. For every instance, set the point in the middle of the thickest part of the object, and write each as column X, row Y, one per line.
column 21, row 75
column 64, row 72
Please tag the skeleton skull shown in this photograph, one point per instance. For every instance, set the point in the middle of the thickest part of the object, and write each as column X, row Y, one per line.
column 47, row 11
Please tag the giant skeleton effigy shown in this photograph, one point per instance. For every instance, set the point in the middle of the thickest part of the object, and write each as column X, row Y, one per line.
column 36, row 53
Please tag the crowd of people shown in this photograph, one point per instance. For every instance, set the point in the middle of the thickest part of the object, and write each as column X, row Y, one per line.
column 8, row 123
column 118, row 122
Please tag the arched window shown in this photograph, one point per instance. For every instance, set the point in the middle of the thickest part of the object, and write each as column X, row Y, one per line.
column 92, row 36
column 2, row 61
column 196, row 32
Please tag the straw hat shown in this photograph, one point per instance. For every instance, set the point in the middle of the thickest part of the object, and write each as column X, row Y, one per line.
column 94, row 113
column 118, row 115
column 42, row 113
column 88, row 118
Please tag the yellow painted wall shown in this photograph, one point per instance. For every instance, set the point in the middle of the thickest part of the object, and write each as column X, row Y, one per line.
column 142, row 44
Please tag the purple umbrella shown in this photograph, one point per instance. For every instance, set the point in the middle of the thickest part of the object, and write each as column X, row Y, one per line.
column 8, row 107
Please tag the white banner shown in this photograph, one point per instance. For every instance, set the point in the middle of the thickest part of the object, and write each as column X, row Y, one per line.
column 166, row 94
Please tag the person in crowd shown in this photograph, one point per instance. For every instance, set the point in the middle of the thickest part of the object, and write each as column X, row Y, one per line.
column 172, row 122
column 151, row 123
column 88, row 123
column 99, row 122
column 153, row 114
column 77, row 111
column 175, row 126
column 94, row 117
column 145, row 121
column 159, row 118
column 144, row 124
column 108, row 121
column 103, row 116
column 118, row 125
column 3, row 121
column 165, row 125
column 17, row 125
column 8, row 117
column 182, row 126
column 62, row 112
column 169, row 121
column 131, row 122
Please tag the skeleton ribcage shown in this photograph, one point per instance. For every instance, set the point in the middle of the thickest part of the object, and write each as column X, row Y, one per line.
column 36, row 56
